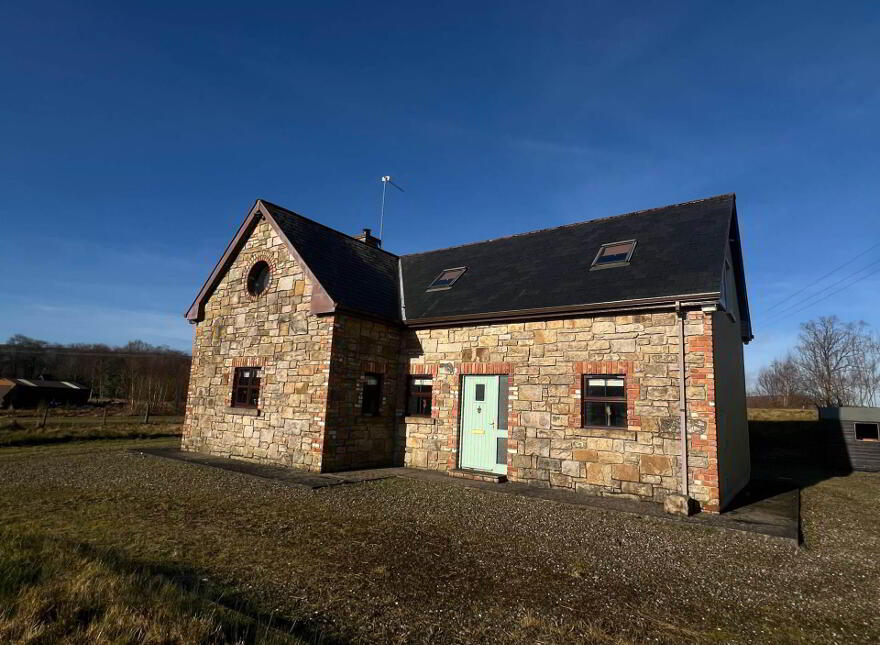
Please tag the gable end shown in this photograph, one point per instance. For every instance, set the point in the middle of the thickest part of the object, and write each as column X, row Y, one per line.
column 322, row 303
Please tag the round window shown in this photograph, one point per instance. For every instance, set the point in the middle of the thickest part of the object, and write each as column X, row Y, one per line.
column 258, row 278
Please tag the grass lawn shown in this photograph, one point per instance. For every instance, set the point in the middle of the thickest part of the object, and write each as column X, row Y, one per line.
column 783, row 414
column 101, row 546
column 26, row 431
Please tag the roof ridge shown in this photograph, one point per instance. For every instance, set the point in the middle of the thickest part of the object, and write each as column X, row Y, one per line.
column 329, row 228
column 589, row 221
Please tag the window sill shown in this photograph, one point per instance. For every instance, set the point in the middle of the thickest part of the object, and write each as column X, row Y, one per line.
column 244, row 412
column 414, row 418
column 604, row 427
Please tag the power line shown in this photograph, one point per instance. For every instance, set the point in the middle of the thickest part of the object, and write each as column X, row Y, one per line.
column 834, row 293
column 815, row 282
column 823, row 290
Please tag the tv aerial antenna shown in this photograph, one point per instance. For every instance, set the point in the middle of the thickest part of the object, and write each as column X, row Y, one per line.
column 386, row 179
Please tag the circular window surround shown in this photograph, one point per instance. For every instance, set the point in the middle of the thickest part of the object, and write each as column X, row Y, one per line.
column 258, row 262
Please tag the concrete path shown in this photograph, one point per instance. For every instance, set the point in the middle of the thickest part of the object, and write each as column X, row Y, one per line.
column 290, row 476
column 761, row 508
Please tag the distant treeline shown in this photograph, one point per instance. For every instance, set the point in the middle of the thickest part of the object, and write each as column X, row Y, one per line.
column 138, row 372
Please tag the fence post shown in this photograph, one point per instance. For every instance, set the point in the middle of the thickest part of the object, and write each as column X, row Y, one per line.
column 147, row 413
column 104, row 418
column 45, row 414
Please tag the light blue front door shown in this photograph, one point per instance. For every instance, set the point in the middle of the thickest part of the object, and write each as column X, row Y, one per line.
column 484, row 423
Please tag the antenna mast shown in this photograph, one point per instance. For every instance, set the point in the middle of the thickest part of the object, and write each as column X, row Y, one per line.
column 386, row 179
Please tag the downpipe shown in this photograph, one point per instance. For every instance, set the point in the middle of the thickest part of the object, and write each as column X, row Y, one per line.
column 682, row 409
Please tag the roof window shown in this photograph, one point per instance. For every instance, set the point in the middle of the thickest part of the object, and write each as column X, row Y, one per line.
column 614, row 254
column 446, row 279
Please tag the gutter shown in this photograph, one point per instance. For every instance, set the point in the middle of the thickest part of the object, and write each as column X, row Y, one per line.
column 682, row 408
column 400, row 280
column 641, row 304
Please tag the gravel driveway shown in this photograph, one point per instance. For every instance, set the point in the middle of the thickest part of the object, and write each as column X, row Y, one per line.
column 407, row 561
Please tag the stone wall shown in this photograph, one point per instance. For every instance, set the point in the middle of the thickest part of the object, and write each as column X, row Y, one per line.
column 355, row 440
column 309, row 412
column 545, row 360
column 273, row 331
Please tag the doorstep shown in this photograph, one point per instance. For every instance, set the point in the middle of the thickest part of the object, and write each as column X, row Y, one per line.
column 478, row 475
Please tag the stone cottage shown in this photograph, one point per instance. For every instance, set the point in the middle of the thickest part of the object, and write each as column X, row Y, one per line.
column 604, row 357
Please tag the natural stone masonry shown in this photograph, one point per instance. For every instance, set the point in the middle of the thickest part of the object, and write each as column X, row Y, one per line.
column 313, row 368
column 276, row 332
column 546, row 361
column 354, row 440
column 312, row 372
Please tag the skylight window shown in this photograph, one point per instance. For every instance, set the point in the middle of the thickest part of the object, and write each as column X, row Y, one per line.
column 614, row 254
column 446, row 279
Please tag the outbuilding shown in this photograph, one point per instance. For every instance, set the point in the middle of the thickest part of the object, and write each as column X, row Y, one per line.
column 32, row 393
column 852, row 437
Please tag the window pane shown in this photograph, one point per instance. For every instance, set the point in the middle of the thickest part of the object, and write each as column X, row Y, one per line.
column 595, row 414
column 867, row 431
column 423, row 406
column 255, row 395
column 614, row 253
column 617, row 249
column 370, row 403
column 618, row 414
column 422, row 381
column 241, row 395
column 258, row 278
column 614, row 387
column 446, row 278
column 480, row 392
column 596, row 387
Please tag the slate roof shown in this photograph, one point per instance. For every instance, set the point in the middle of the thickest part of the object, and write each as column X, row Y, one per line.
column 355, row 275
column 679, row 251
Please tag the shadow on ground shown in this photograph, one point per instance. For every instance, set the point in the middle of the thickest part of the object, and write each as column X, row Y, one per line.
column 788, row 456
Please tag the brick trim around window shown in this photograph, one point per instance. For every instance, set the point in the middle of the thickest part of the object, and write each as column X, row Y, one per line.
column 273, row 275
column 632, row 383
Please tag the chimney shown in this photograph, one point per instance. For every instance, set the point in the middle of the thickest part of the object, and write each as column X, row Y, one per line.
column 367, row 238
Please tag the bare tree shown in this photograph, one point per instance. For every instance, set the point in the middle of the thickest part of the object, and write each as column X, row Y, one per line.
column 832, row 357
column 781, row 381
column 140, row 372
column 833, row 364
column 866, row 377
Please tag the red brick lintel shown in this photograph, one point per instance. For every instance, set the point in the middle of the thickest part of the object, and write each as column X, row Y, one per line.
column 253, row 361
column 485, row 368
column 421, row 369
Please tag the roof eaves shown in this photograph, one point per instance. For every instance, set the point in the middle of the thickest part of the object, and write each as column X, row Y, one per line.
column 686, row 300
column 196, row 310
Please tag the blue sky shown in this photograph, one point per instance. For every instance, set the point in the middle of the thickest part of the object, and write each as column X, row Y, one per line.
column 134, row 138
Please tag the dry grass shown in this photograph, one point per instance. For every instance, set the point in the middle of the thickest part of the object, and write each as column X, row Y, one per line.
column 57, row 592
column 18, row 432
column 782, row 414
column 401, row 561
